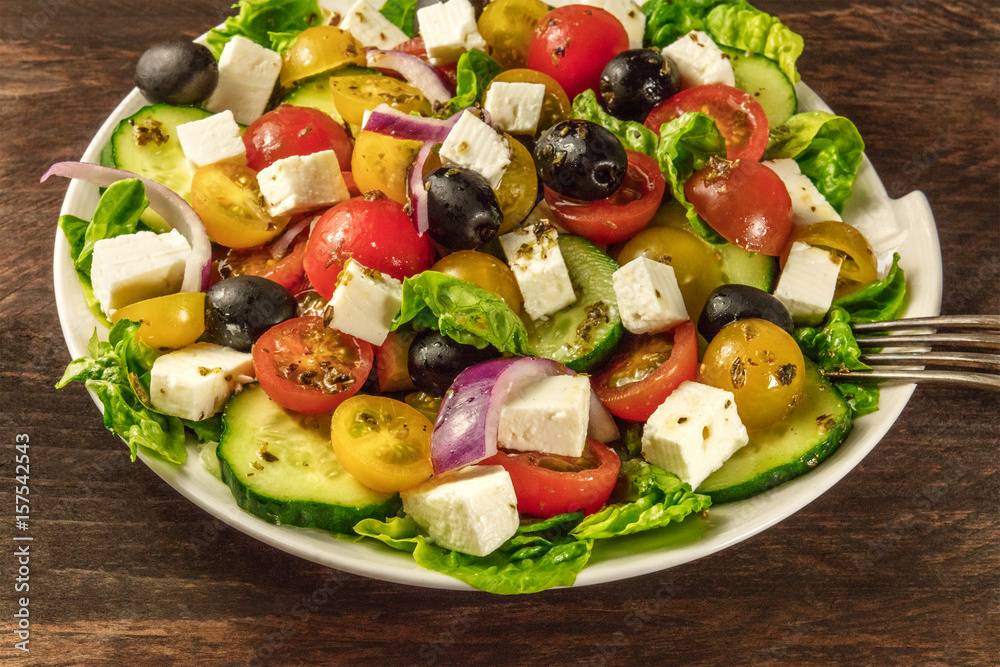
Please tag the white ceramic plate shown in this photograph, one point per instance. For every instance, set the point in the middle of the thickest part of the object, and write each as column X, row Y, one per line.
column 906, row 223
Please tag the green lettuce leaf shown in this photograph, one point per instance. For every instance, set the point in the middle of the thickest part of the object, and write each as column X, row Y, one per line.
column 686, row 144
column 474, row 73
column 537, row 557
column 648, row 497
column 668, row 20
column 115, row 371
column 465, row 312
column 833, row 347
column 400, row 13
column 878, row 301
column 282, row 41
column 634, row 136
column 828, row 149
column 743, row 27
column 258, row 19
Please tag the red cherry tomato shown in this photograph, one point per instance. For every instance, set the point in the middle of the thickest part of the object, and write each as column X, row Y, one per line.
column 745, row 202
column 306, row 367
column 573, row 43
column 547, row 485
column 286, row 269
column 645, row 370
column 375, row 231
column 620, row 216
column 740, row 117
column 291, row 130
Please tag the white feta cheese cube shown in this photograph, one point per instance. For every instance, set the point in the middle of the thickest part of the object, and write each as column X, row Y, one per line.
column 247, row 74
column 334, row 11
column 302, row 183
column 808, row 282
column 549, row 416
column 364, row 303
column 195, row 381
column 693, row 432
column 366, row 23
column 135, row 267
column 700, row 60
column 649, row 298
column 537, row 263
column 808, row 203
column 515, row 106
column 212, row 139
column 449, row 30
column 472, row 510
column 475, row 145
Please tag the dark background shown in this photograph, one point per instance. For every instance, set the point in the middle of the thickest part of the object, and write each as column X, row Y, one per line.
column 897, row 564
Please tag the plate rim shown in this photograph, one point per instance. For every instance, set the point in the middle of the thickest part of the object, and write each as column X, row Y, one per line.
column 371, row 559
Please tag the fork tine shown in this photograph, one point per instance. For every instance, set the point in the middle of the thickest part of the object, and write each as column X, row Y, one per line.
column 981, row 341
column 956, row 359
column 977, row 380
column 940, row 322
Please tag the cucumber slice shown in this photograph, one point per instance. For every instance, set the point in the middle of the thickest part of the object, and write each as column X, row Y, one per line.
column 582, row 334
column 315, row 91
column 763, row 78
column 743, row 267
column 792, row 447
column 146, row 143
column 280, row 467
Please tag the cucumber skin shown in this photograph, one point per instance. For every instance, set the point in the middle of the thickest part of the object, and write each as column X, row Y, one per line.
column 303, row 513
column 797, row 466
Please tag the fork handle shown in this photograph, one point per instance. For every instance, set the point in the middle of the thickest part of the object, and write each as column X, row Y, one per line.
column 976, row 380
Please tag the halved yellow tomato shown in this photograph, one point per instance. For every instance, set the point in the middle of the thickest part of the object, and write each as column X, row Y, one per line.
column 320, row 49
column 859, row 266
column 506, row 25
column 167, row 322
column 353, row 95
column 555, row 107
column 518, row 188
column 383, row 163
column 227, row 198
column 383, row 443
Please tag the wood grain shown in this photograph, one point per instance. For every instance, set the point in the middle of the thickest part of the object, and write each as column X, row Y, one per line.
column 897, row 564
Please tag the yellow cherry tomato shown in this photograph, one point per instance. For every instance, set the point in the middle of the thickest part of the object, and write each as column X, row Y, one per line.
column 518, row 188
column 353, row 95
column 167, row 322
column 555, row 107
column 320, row 49
column 859, row 266
column 506, row 26
column 483, row 270
column 227, row 198
column 383, row 163
column 383, row 443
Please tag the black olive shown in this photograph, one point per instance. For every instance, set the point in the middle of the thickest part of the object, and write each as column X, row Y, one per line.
column 729, row 303
column 240, row 309
column 182, row 73
column 581, row 159
column 635, row 81
column 462, row 208
column 434, row 360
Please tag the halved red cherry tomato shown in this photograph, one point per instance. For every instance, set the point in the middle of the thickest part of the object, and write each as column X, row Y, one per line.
column 306, row 367
column 286, row 269
column 745, row 202
column 547, row 484
column 573, row 43
column 621, row 215
column 291, row 130
column 375, row 231
column 740, row 117
column 645, row 370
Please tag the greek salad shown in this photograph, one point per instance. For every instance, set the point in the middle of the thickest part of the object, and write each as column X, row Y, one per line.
column 486, row 281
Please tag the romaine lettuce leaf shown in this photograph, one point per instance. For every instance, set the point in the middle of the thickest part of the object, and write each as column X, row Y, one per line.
column 833, row 347
column 118, row 371
column 258, row 19
column 647, row 497
column 878, row 301
column 669, row 20
column 828, row 149
column 474, row 73
column 634, row 136
column 743, row 27
column 686, row 144
column 400, row 13
column 537, row 557
column 465, row 312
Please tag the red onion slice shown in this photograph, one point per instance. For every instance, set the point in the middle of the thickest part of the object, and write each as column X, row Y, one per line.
column 177, row 212
column 394, row 123
column 466, row 428
column 418, row 196
column 284, row 241
column 418, row 72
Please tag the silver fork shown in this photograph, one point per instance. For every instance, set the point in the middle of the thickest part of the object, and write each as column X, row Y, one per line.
column 912, row 351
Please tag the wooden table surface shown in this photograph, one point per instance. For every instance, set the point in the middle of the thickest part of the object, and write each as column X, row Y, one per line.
column 898, row 564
